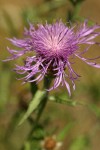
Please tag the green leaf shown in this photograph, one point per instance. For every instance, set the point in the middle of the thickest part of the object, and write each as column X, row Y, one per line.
column 69, row 102
column 95, row 109
column 64, row 132
column 33, row 105
column 39, row 133
column 80, row 143
column 27, row 146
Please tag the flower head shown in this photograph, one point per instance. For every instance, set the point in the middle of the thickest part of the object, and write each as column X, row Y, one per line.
column 51, row 143
column 53, row 45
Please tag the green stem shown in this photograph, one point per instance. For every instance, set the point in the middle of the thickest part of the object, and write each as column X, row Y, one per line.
column 41, row 107
column 34, row 87
column 39, row 114
column 73, row 15
column 76, row 11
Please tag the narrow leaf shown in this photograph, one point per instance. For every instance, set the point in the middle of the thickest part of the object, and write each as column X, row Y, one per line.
column 33, row 105
column 64, row 132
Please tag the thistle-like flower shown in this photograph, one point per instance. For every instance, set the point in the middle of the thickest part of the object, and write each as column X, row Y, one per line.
column 52, row 47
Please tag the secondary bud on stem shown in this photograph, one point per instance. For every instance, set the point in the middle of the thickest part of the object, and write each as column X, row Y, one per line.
column 50, row 143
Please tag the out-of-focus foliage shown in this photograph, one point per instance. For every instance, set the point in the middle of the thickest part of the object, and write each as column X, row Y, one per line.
column 75, row 121
column 80, row 143
column 75, row 2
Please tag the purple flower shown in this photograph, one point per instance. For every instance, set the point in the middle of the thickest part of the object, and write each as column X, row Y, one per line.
column 54, row 46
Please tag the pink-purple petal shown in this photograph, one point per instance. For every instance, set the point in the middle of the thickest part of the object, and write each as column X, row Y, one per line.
column 54, row 45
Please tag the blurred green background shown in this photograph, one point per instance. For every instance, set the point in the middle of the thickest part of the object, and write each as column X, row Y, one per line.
column 83, row 119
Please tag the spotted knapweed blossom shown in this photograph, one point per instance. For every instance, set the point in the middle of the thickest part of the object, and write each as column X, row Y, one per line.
column 54, row 45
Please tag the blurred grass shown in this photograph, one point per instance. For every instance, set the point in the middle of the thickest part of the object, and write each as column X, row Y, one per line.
column 85, row 120
column 5, row 78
